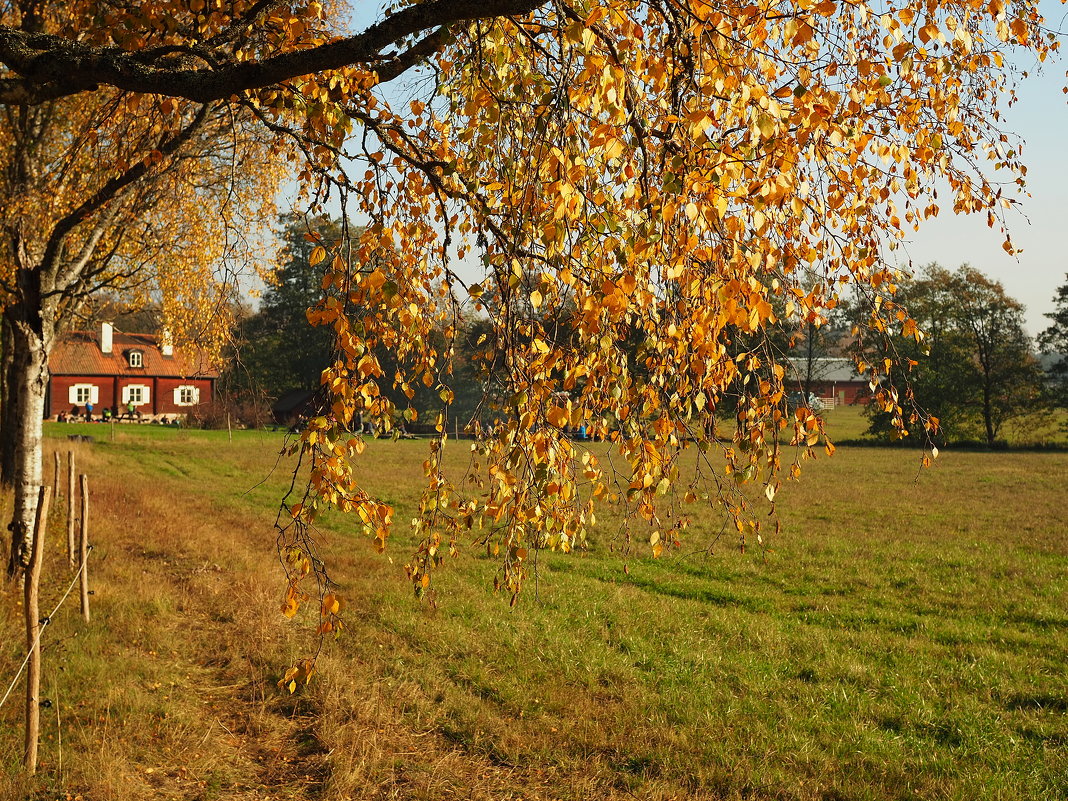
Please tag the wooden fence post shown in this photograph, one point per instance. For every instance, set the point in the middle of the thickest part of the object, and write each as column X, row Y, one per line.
column 84, row 547
column 70, row 510
column 55, row 480
column 33, row 624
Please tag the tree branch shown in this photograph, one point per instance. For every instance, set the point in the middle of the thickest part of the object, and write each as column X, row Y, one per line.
column 108, row 191
column 52, row 66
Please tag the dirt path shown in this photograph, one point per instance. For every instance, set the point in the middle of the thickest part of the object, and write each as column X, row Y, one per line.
column 170, row 692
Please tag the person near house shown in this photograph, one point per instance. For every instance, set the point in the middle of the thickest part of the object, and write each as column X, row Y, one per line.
column 106, row 414
column 89, row 412
column 131, row 410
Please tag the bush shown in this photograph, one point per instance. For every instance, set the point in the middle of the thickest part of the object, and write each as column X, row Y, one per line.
column 226, row 412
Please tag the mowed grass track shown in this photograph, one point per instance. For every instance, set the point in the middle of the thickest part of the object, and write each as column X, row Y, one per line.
column 905, row 637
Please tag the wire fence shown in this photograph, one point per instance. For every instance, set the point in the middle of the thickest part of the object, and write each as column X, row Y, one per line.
column 45, row 622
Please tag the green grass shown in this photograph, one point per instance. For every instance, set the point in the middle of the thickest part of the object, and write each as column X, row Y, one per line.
column 905, row 636
column 1045, row 429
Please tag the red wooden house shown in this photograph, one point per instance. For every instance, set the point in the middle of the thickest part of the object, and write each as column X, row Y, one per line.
column 112, row 370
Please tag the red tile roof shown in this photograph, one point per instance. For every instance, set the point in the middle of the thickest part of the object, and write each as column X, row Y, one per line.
column 78, row 353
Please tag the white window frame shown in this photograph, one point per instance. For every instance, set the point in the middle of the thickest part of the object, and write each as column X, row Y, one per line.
column 81, row 394
column 135, row 358
column 181, row 391
column 144, row 392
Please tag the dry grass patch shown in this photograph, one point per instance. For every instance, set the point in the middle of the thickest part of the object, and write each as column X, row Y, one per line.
column 170, row 687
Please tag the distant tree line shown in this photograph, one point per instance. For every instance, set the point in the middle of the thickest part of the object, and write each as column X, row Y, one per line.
column 275, row 350
column 969, row 360
column 973, row 366
column 1053, row 342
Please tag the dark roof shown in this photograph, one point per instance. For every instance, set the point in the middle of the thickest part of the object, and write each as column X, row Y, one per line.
column 78, row 353
column 293, row 402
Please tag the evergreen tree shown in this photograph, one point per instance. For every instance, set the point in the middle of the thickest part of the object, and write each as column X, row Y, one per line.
column 1054, row 340
column 277, row 351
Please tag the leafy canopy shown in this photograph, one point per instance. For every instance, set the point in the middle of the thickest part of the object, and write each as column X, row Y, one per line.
column 1054, row 340
column 662, row 174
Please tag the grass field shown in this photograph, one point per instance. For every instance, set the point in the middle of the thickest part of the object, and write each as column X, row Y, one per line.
column 905, row 637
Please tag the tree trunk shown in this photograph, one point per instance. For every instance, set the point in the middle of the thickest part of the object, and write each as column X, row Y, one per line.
column 988, row 412
column 30, row 375
column 8, row 402
column 810, row 359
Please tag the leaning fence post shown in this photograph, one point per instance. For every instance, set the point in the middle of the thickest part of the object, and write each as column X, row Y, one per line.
column 70, row 509
column 55, row 480
column 84, row 547
column 33, row 624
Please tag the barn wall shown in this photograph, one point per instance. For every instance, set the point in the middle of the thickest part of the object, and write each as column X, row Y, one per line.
column 844, row 392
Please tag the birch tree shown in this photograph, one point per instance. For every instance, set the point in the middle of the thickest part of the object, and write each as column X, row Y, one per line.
column 672, row 170
column 103, row 193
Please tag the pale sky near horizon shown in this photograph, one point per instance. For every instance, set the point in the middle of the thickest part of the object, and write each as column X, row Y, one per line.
column 1038, row 225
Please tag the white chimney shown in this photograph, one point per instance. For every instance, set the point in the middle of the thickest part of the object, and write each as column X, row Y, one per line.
column 165, row 346
column 106, row 336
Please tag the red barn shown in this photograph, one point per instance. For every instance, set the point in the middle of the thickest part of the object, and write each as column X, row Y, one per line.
column 835, row 381
column 112, row 370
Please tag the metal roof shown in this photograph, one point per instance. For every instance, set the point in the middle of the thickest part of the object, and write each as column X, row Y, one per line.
column 827, row 368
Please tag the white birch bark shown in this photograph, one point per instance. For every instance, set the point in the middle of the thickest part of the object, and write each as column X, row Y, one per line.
column 31, row 372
